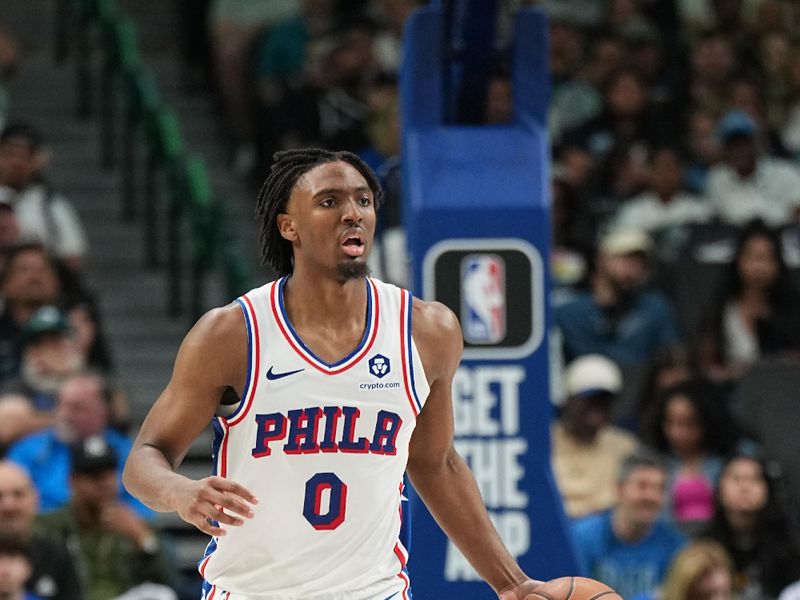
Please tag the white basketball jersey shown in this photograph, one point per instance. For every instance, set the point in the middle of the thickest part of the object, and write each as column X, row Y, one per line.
column 324, row 448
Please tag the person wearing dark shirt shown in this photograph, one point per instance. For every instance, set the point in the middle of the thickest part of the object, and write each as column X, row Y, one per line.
column 52, row 572
column 116, row 549
column 754, row 528
column 618, row 317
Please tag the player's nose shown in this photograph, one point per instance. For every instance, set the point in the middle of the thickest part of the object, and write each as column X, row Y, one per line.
column 351, row 212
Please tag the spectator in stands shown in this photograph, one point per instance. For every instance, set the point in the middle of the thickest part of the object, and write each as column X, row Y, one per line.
column 283, row 55
column 748, row 185
column 53, row 573
column 618, row 317
column 746, row 95
column 9, row 57
column 713, row 63
column 82, row 411
column 499, row 106
column 43, row 214
column 49, row 356
column 30, row 281
column 587, row 450
column 629, row 547
column 9, row 226
column 754, row 313
column 790, row 132
column 670, row 366
column 572, row 232
column 235, row 26
column 577, row 99
column 331, row 110
column 754, row 528
column 117, row 548
column 702, row 570
column 663, row 204
column 692, row 429
column 703, row 147
column 88, row 335
column 392, row 15
column 617, row 141
column 15, row 568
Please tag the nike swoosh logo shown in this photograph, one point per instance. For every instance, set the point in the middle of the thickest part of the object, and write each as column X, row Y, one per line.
column 273, row 376
column 392, row 596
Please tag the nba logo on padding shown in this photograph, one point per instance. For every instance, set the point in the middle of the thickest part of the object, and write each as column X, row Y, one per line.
column 483, row 298
column 379, row 365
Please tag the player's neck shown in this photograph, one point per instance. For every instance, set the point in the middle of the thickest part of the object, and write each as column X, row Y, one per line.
column 324, row 301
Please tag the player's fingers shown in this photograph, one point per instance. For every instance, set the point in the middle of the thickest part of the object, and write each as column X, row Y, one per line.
column 227, row 485
column 206, row 527
column 222, row 517
column 235, row 504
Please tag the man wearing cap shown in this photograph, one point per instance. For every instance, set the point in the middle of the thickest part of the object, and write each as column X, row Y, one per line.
column 49, row 357
column 618, row 317
column 747, row 184
column 116, row 549
column 587, row 450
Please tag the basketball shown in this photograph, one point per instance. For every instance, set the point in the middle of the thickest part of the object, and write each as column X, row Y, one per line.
column 573, row 588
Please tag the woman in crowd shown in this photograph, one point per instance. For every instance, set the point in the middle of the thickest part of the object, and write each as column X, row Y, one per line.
column 753, row 527
column 754, row 314
column 691, row 429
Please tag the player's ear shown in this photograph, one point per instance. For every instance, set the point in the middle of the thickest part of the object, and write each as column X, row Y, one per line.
column 286, row 227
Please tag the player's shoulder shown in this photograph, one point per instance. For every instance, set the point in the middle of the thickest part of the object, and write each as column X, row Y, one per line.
column 437, row 335
column 433, row 318
column 218, row 330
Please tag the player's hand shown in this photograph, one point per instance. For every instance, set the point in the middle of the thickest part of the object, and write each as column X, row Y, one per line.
column 214, row 498
column 520, row 591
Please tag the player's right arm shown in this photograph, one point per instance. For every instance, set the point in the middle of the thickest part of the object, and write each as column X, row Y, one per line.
column 212, row 358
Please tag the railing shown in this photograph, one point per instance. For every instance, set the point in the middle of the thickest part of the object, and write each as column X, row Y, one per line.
column 192, row 216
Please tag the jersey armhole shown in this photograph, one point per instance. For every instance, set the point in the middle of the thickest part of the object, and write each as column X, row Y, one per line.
column 236, row 412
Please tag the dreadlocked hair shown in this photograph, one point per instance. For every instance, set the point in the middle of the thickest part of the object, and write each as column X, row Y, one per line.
column 287, row 167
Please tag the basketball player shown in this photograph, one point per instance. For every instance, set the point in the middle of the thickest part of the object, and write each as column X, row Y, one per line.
column 341, row 383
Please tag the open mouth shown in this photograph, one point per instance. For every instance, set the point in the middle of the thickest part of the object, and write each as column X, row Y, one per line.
column 353, row 245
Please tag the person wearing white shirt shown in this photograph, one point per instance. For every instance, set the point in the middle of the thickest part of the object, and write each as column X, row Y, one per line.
column 43, row 215
column 664, row 204
column 747, row 185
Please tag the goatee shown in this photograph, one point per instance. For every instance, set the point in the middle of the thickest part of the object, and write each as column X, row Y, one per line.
column 352, row 270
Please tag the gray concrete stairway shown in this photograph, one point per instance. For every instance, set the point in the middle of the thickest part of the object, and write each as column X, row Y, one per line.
column 143, row 338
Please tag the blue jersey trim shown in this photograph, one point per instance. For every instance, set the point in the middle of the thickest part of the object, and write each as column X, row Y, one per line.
column 250, row 358
column 293, row 333
column 410, row 353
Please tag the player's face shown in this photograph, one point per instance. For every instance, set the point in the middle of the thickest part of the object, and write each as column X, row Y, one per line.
column 330, row 218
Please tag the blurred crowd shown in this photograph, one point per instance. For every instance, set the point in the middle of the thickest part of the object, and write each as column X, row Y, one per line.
column 675, row 131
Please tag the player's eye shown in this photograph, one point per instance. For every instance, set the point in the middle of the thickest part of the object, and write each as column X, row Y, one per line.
column 328, row 202
column 365, row 201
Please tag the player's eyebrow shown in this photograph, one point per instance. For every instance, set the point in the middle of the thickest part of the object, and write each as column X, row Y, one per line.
column 361, row 188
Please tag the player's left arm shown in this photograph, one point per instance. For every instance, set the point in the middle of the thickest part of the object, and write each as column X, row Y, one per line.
column 439, row 474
